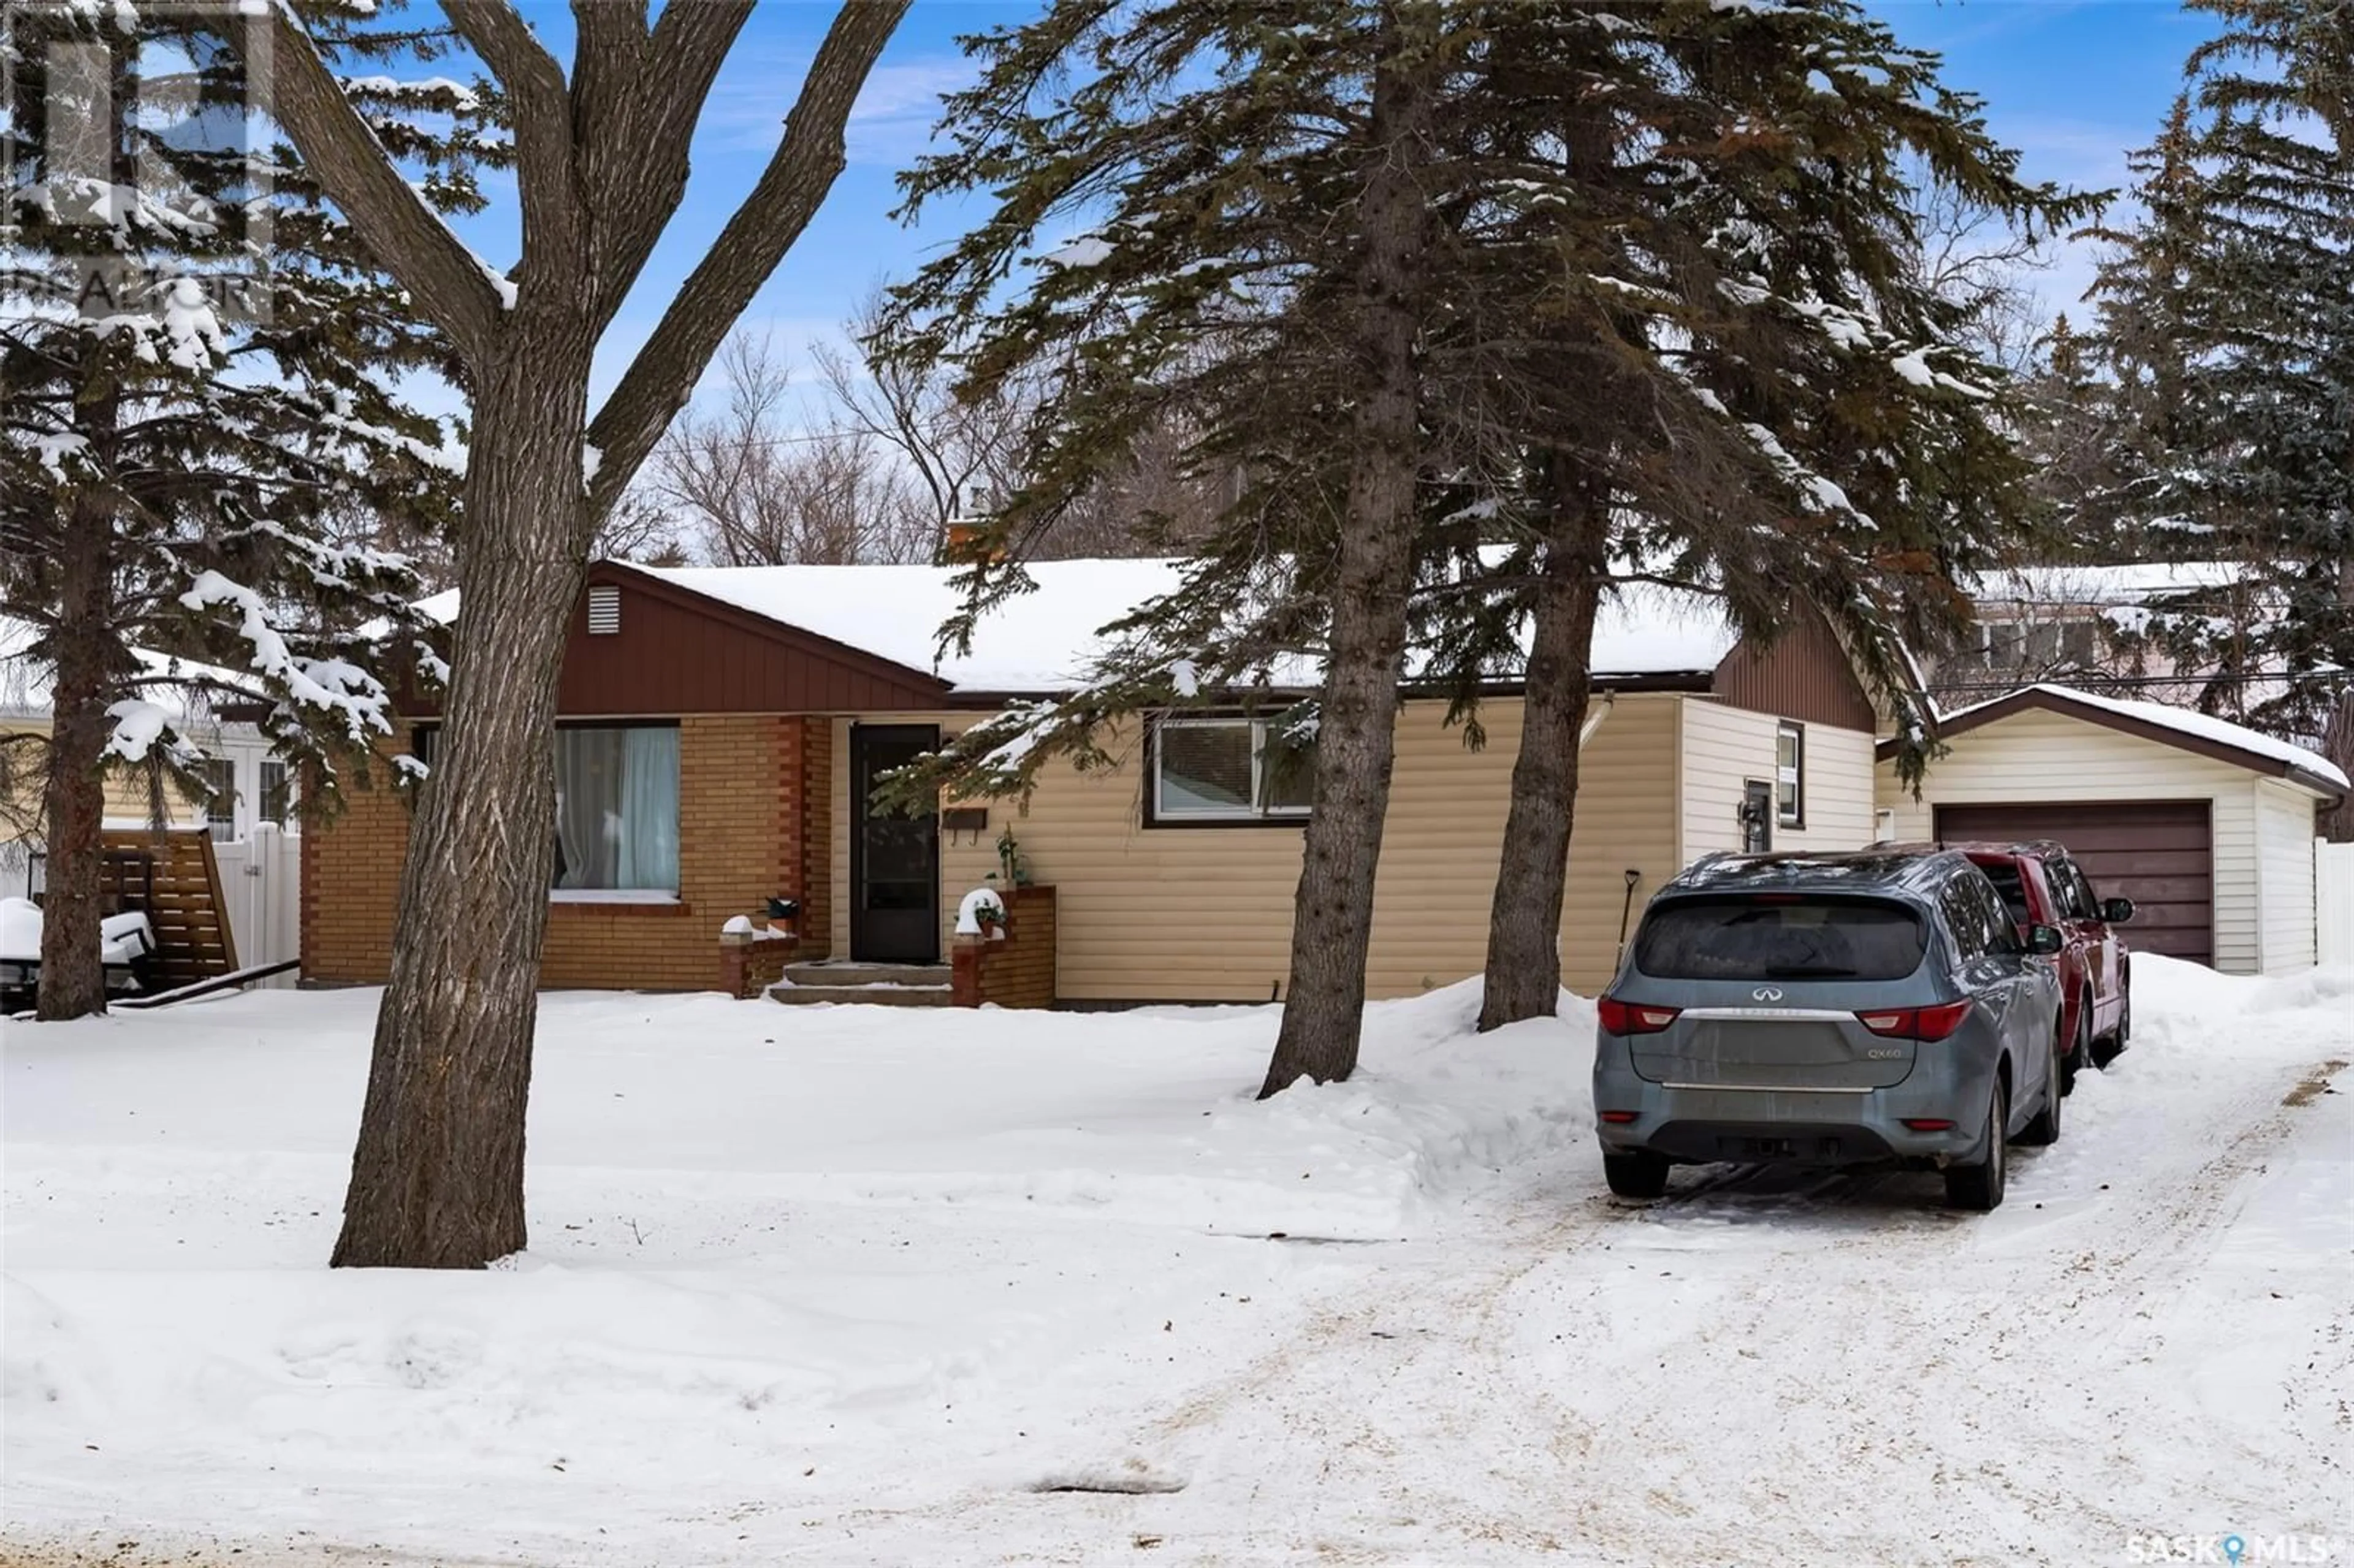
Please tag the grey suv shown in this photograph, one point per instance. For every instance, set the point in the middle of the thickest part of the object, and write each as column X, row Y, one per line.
column 1829, row 1010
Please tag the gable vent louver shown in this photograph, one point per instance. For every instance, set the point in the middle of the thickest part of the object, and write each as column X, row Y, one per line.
column 604, row 611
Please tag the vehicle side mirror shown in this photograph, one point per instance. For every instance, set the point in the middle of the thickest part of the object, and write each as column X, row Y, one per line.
column 2045, row 940
column 2116, row 911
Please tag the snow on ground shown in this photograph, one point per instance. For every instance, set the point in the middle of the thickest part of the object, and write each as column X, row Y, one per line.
column 852, row 1285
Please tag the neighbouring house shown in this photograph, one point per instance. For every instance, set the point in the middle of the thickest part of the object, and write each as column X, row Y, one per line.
column 2206, row 825
column 251, row 785
column 2100, row 628
column 720, row 729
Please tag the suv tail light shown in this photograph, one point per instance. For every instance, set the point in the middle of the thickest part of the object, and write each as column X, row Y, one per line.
column 1633, row 1018
column 1916, row 1022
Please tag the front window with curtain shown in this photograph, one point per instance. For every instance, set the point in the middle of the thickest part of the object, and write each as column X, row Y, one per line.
column 616, row 810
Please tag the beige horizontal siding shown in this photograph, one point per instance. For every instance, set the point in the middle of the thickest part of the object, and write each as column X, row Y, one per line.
column 1626, row 822
column 2285, row 868
column 1204, row 914
column 127, row 796
column 2036, row 756
column 1723, row 747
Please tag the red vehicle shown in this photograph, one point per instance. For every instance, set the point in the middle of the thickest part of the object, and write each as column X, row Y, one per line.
column 2041, row 884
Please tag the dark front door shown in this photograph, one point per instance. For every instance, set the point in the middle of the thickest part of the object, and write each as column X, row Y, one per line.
column 895, row 859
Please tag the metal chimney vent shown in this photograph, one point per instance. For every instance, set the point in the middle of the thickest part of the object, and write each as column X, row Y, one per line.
column 604, row 611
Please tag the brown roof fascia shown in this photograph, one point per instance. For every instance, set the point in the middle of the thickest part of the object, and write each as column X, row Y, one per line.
column 622, row 574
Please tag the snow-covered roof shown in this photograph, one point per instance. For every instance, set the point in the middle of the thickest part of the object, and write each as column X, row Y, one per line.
column 2132, row 583
column 1038, row 642
column 2183, row 721
column 1046, row 640
column 24, row 687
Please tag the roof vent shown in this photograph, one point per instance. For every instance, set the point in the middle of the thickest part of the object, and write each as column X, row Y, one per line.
column 604, row 611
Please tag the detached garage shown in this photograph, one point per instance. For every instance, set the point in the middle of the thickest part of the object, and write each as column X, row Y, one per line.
column 2206, row 825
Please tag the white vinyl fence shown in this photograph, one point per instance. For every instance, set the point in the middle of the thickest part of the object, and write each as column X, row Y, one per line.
column 261, row 881
column 2332, row 902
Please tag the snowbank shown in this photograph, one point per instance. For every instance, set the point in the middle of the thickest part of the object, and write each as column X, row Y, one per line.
column 862, row 1284
column 756, row 1232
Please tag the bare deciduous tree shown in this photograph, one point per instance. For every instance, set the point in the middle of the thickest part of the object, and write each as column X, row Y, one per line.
column 600, row 156
column 757, row 487
column 956, row 451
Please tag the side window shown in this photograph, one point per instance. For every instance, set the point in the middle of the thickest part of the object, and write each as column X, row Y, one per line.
column 2068, row 889
column 2001, row 935
column 1962, row 918
column 1791, row 774
column 2086, row 897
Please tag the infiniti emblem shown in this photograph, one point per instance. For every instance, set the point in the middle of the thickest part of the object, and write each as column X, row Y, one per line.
column 1767, row 993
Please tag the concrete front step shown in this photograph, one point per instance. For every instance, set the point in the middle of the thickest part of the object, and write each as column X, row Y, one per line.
column 871, row 995
column 841, row 974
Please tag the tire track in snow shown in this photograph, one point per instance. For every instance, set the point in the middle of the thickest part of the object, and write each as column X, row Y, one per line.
column 1974, row 1407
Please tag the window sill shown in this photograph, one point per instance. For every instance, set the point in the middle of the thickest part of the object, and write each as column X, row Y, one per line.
column 1290, row 819
column 600, row 901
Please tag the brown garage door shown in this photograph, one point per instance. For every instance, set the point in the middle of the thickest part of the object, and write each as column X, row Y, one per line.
column 2160, row 854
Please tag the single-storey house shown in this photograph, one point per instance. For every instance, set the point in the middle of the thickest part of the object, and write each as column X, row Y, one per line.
column 720, row 729
column 2206, row 825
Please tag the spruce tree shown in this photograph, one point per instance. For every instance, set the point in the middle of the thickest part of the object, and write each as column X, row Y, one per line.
column 198, row 369
column 1262, row 271
column 2226, row 331
column 1704, row 317
column 2275, row 374
column 1674, row 339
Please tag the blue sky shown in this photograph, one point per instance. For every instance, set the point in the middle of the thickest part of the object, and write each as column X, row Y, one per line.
column 2072, row 83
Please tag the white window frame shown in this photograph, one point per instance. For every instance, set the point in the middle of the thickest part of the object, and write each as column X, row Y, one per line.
column 263, row 789
column 220, row 807
column 1791, row 775
column 1254, row 812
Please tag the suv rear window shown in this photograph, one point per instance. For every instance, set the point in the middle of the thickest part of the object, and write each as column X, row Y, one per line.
column 1779, row 937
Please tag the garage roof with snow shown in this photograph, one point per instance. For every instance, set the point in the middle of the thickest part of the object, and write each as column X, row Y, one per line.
column 2181, row 727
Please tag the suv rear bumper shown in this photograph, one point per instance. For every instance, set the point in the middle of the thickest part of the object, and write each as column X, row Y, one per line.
column 1794, row 1127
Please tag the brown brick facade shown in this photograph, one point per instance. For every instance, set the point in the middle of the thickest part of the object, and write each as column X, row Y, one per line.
column 749, row 825
column 1016, row 969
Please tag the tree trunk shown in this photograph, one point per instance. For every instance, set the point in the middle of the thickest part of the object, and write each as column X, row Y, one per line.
column 73, row 794
column 437, row 1178
column 1332, row 914
column 1523, row 978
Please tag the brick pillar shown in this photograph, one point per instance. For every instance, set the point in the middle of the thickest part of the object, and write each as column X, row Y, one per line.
column 816, row 837
column 752, row 961
column 964, row 970
column 1016, row 969
column 788, row 823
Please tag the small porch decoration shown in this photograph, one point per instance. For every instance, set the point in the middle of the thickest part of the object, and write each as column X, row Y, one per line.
column 1013, row 867
column 981, row 914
